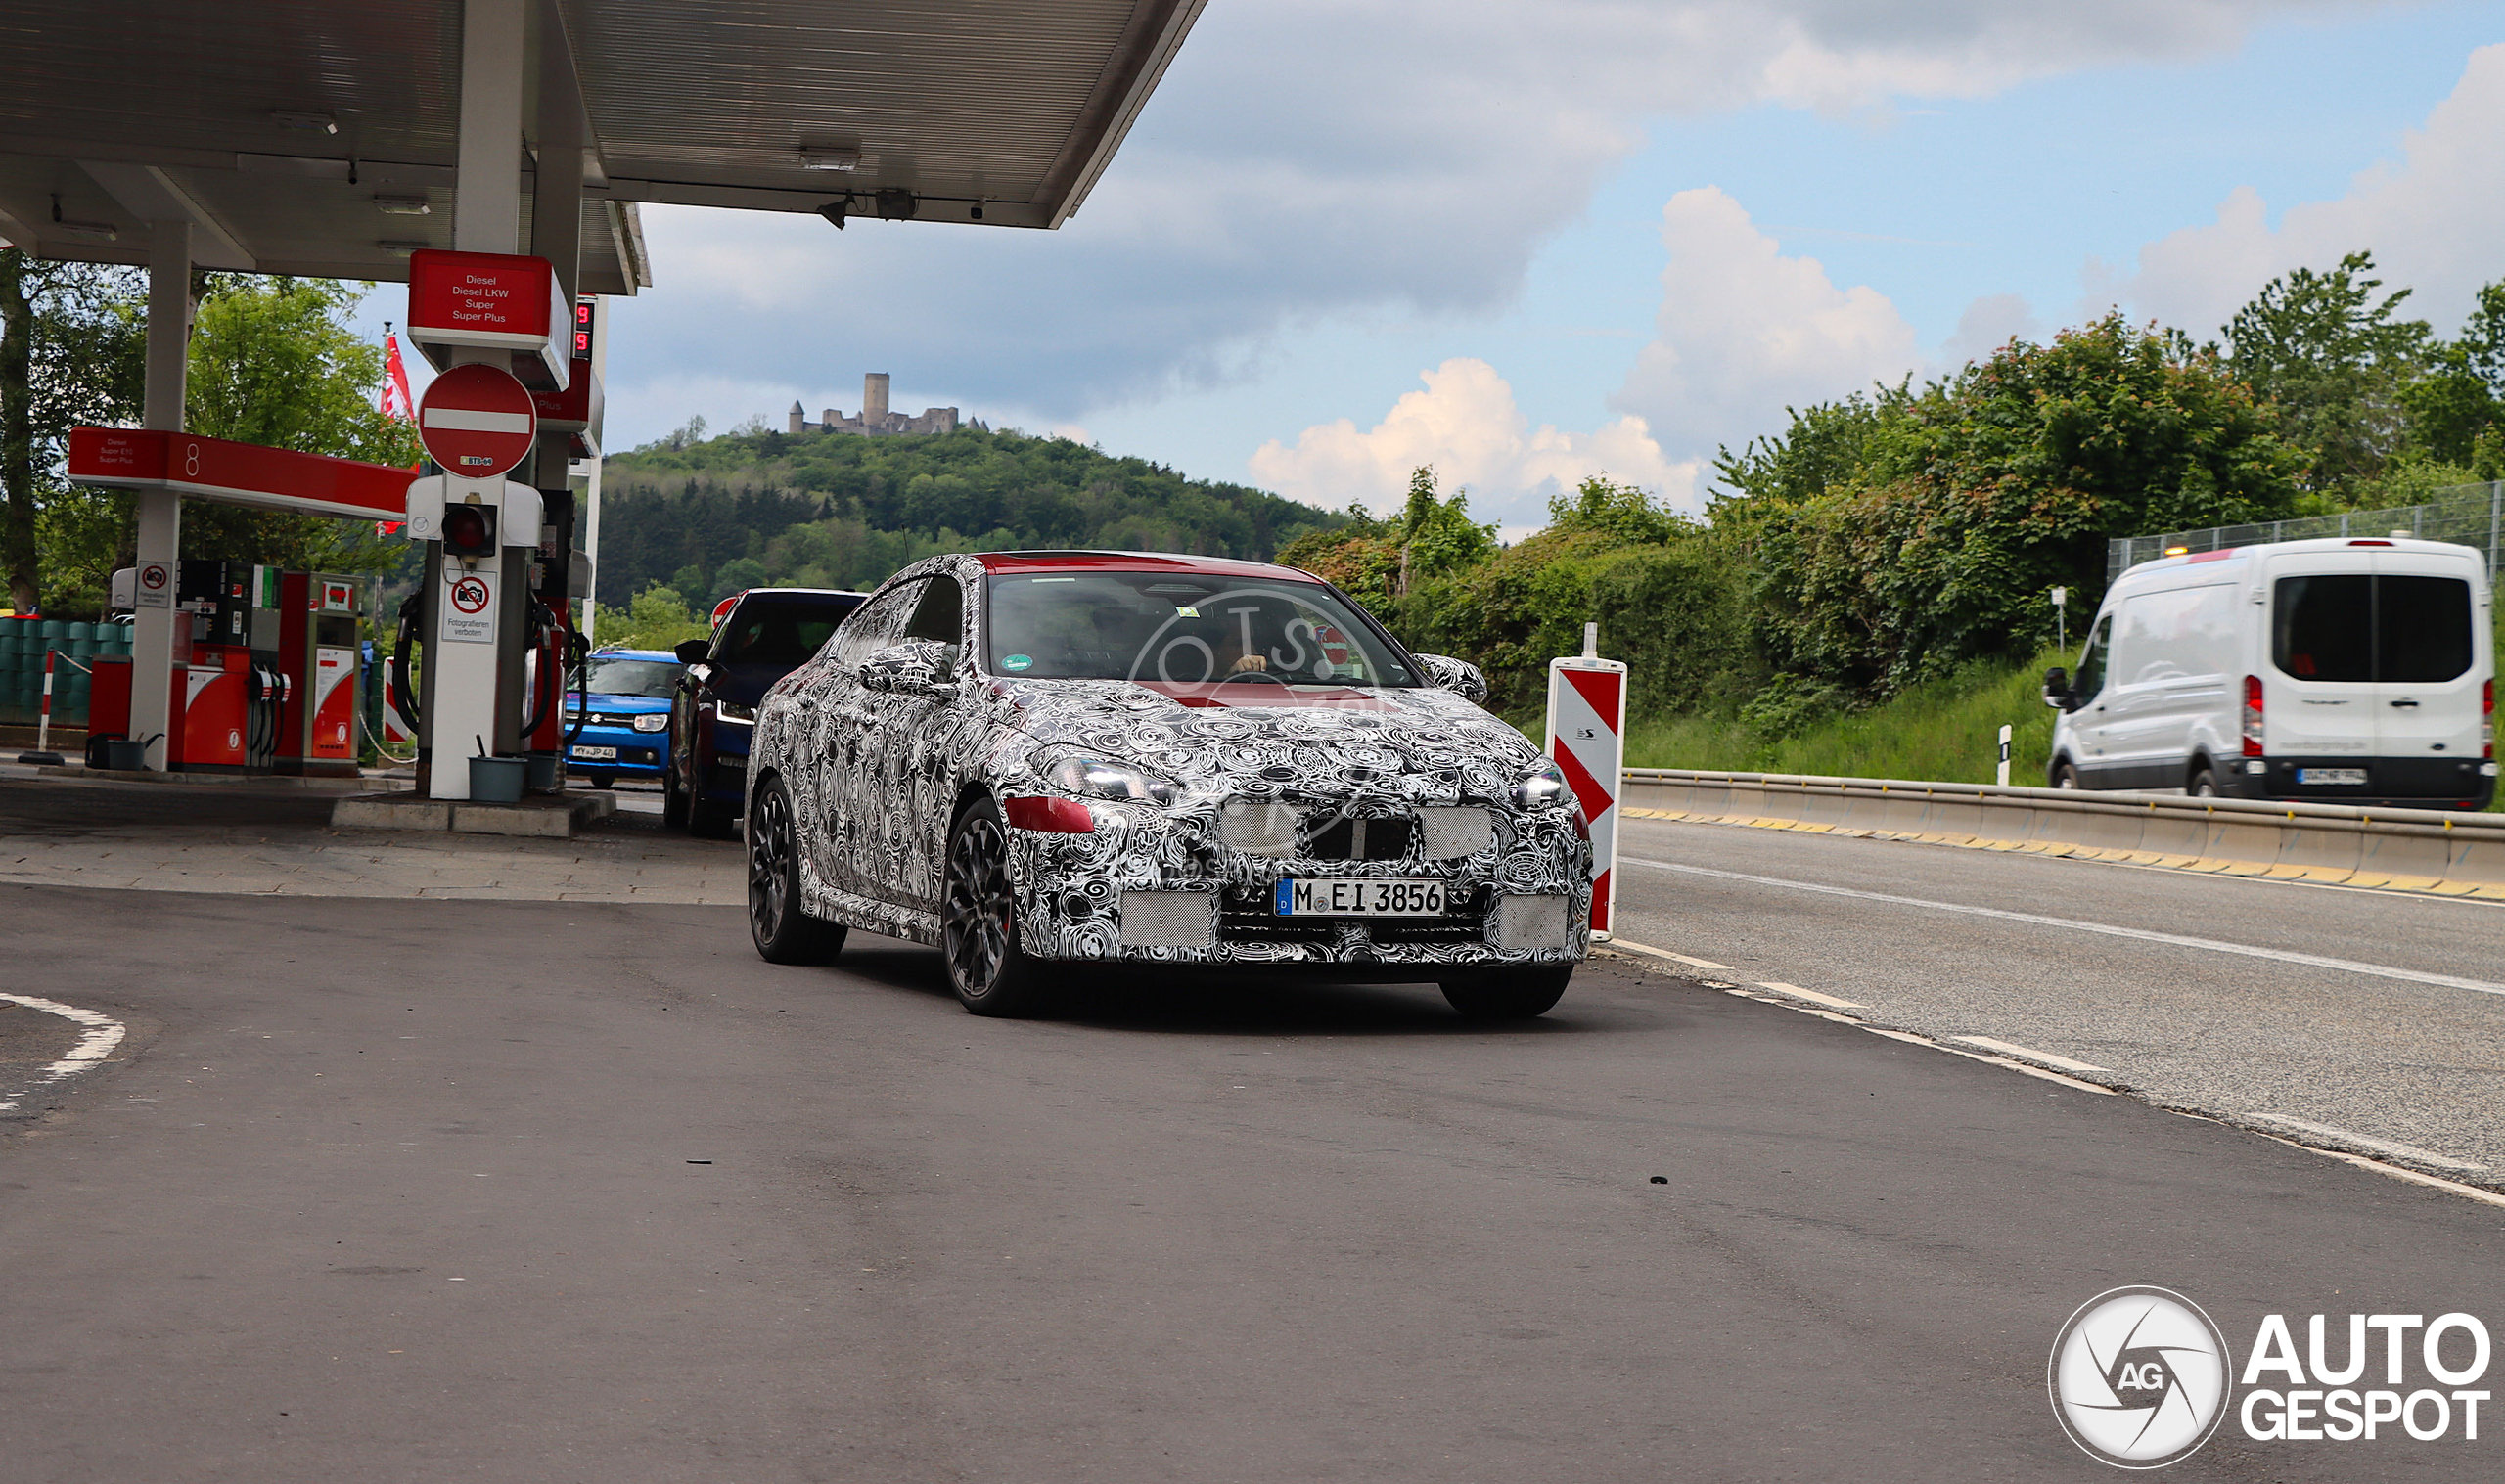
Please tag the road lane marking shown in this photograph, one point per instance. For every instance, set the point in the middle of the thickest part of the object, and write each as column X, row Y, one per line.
column 1810, row 995
column 1663, row 953
column 2108, row 930
column 2028, row 1053
column 103, row 1034
column 2383, row 1146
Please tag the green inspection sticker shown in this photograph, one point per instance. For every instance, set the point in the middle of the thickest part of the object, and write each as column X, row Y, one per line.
column 1017, row 661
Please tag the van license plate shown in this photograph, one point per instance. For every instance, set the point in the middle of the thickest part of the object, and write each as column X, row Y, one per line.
column 596, row 754
column 1358, row 897
column 2332, row 777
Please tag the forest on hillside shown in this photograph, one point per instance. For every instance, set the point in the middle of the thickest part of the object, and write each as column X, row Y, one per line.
column 707, row 517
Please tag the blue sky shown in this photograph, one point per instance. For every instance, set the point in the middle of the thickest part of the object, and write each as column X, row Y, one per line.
column 1443, row 237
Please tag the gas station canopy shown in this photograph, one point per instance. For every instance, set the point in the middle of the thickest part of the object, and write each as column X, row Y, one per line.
column 318, row 138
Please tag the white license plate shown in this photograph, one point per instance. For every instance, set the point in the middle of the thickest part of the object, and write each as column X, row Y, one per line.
column 2335, row 778
column 1357, row 897
column 597, row 754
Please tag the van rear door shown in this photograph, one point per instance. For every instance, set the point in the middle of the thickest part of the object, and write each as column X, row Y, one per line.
column 2319, row 692
column 2427, row 651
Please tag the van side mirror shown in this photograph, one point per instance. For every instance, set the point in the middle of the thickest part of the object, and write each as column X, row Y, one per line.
column 2057, row 688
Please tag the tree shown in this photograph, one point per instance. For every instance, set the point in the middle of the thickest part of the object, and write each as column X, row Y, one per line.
column 2457, row 411
column 274, row 362
column 2333, row 363
column 73, row 348
column 1436, row 536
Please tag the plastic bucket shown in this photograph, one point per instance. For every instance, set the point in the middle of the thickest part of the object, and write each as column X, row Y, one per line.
column 497, row 780
column 124, row 756
column 544, row 773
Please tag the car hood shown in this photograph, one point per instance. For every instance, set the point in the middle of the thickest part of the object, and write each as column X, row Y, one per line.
column 1259, row 741
column 604, row 700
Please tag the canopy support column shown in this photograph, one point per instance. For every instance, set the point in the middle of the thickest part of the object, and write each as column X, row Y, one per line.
column 162, row 633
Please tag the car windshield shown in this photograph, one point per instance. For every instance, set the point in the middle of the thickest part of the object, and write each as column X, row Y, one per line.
column 652, row 679
column 1182, row 628
column 780, row 631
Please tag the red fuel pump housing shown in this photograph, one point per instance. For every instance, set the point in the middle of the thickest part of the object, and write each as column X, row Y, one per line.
column 315, row 650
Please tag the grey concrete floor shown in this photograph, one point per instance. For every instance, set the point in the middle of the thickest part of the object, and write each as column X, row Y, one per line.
column 585, row 1192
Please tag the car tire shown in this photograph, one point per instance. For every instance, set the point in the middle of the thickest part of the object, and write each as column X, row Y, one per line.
column 784, row 933
column 1520, row 994
column 2204, row 784
column 673, row 801
column 603, row 780
column 990, row 972
column 2065, row 776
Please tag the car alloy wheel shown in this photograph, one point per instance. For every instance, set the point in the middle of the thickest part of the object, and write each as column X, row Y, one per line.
column 979, row 918
column 784, row 933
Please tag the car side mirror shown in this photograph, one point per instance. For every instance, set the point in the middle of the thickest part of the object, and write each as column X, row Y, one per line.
column 1459, row 676
column 693, row 651
column 2057, row 688
column 915, row 667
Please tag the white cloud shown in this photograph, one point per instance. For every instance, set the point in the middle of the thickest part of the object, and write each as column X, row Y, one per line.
column 1466, row 425
column 1309, row 159
column 2432, row 219
column 1744, row 332
column 1988, row 324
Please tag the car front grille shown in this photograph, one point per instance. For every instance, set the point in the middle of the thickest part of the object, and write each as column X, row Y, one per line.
column 1328, row 837
column 1246, row 917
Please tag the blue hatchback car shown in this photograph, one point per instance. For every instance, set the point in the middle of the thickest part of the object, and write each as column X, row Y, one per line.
column 626, row 730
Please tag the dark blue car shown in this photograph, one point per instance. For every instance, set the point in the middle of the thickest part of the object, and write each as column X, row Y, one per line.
column 767, row 633
column 626, row 730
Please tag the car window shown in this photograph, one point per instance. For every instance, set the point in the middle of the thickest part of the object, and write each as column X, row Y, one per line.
column 939, row 615
column 652, row 679
column 877, row 623
column 2090, row 680
column 776, row 633
column 1184, row 628
column 2422, row 629
column 2322, row 627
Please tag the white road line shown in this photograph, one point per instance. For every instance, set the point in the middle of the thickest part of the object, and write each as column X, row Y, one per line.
column 104, row 1033
column 2382, row 1146
column 1810, row 995
column 2028, row 1053
column 1663, row 953
column 2176, row 940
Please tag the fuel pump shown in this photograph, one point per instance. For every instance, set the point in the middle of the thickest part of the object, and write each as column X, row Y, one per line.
column 473, row 617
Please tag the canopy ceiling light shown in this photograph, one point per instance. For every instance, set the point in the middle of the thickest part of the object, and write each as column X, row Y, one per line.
column 307, row 122
column 402, row 205
column 843, row 158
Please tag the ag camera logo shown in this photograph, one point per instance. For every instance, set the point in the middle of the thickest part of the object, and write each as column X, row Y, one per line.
column 2139, row 1378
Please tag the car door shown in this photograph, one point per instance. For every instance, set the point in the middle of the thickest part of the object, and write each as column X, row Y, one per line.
column 909, row 755
column 851, row 816
column 2088, row 706
column 2426, row 691
column 2136, row 716
column 2318, row 702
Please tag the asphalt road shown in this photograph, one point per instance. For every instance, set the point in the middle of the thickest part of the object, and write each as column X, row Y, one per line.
column 462, row 1190
column 2201, row 1027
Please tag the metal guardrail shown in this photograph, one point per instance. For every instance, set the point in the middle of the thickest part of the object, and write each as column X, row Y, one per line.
column 2400, row 849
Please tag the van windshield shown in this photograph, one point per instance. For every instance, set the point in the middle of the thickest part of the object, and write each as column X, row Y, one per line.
column 2349, row 626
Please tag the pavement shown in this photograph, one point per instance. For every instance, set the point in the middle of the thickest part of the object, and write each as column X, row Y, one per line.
column 532, row 1190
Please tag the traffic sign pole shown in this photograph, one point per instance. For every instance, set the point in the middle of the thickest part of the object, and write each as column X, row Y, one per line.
column 1588, row 738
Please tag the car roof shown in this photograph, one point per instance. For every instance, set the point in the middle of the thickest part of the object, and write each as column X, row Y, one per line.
column 798, row 592
column 609, row 654
column 1132, row 561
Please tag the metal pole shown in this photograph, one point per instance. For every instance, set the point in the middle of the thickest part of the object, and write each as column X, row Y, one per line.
column 43, row 756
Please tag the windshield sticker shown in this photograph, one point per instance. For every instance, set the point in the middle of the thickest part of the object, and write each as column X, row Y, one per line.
column 1017, row 661
column 1184, row 612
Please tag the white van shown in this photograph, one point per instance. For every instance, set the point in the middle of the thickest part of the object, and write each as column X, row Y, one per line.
column 2343, row 671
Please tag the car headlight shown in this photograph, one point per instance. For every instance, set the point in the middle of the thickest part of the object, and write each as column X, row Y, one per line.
column 652, row 721
column 728, row 710
column 1542, row 786
column 1092, row 777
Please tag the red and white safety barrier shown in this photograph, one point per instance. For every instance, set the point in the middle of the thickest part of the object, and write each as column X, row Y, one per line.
column 1587, row 738
column 44, row 753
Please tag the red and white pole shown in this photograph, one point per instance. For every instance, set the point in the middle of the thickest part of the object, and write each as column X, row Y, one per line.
column 43, row 755
column 1587, row 738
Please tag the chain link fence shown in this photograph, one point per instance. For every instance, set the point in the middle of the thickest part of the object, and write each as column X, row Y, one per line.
column 2466, row 515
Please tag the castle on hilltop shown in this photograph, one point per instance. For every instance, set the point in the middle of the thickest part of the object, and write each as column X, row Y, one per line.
column 875, row 420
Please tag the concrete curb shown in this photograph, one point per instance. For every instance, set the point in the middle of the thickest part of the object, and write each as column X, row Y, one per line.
column 549, row 817
column 2428, row 850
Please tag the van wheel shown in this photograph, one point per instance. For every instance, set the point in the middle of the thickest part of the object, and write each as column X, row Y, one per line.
column 2064, row 776
column 2204, row 784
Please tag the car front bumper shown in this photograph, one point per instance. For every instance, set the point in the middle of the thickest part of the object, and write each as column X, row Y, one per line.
column 639, row 755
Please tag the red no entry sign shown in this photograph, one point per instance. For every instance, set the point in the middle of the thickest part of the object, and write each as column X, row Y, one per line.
column 477, row 422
